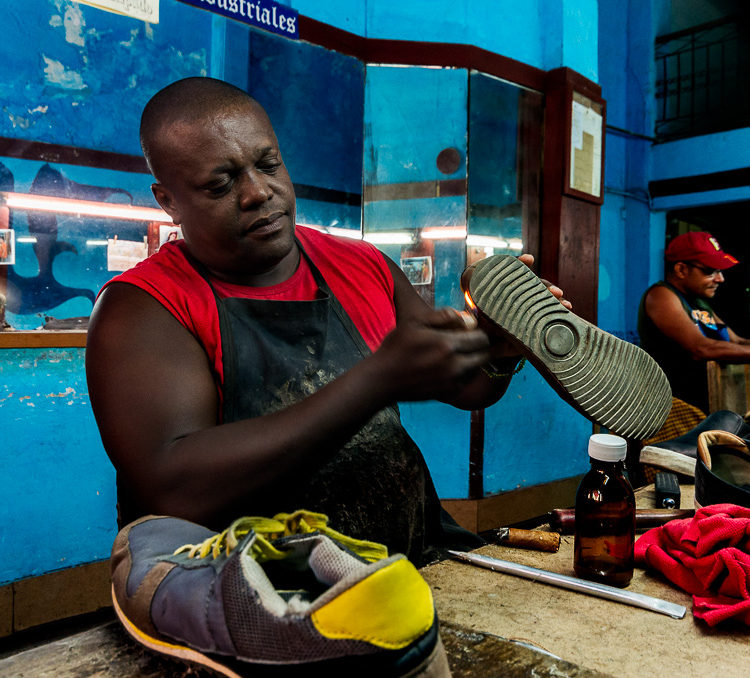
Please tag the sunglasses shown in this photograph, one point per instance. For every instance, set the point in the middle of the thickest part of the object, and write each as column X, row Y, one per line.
column 708, row 272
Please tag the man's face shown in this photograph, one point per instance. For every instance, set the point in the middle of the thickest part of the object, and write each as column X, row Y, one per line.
column 701, row 280
column 223, row 180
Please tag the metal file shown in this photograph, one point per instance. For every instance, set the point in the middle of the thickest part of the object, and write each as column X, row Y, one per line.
column 574, row 584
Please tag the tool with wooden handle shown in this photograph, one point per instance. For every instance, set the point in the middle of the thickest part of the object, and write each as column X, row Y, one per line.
column 564, row 520
column 536, row 540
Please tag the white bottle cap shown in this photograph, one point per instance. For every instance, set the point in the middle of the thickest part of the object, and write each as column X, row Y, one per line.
column 606, row 447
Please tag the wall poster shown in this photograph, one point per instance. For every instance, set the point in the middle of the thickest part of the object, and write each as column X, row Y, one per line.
column 7, row 247
column 586, row 145
column 417, row 269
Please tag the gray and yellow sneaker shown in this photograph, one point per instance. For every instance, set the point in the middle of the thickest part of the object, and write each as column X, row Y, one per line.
column 610, row 381
column 284, row 596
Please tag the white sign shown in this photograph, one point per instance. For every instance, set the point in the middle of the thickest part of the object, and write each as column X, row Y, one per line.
column 147, row 10
column 586, row 149
column 124, row 254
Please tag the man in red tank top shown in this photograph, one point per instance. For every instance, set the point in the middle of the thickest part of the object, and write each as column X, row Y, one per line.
column 199, row 359
column 254, row 369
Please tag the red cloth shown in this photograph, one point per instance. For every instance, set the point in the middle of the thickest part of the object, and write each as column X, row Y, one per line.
column 707, row 555
column 355, row 271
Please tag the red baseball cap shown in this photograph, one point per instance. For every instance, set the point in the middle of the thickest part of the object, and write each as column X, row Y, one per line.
column 700, row 247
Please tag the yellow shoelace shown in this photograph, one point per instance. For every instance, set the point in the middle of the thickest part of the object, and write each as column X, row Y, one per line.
column 281, row 525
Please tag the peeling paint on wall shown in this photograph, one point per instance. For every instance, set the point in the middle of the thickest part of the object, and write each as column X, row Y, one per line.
column 74, row 25
column 56, row 73
column 17, row 121
column 90, row 59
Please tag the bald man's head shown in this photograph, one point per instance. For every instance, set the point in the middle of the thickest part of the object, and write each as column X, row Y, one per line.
column 188, row 100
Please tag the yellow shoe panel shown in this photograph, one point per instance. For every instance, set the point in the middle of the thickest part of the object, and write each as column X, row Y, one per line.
column 389, row 609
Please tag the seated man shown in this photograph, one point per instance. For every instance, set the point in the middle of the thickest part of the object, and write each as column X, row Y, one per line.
column 677, row 325
column 255, row 366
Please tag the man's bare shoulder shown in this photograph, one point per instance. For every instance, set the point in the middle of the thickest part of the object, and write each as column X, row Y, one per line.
column 124, row 311
column 122, row 298
column 661, row 297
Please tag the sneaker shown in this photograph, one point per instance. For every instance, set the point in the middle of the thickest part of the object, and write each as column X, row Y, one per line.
column 287, row 596
column 679, row 454
column 610, row 381
column 722, row 472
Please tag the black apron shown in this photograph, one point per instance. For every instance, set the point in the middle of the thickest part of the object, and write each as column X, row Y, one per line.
column 377, row 485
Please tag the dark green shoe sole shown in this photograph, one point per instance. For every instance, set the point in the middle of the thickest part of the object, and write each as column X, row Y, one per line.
column 610, row 381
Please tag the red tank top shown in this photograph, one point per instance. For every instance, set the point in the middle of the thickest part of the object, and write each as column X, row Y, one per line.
column 356, row 272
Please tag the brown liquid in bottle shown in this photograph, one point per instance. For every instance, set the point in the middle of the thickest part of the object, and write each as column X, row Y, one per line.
column 605, row 525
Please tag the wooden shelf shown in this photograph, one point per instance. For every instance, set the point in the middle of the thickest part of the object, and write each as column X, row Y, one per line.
column 43, row 339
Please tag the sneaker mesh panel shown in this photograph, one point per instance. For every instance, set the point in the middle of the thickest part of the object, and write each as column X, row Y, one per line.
column 331, row 564
column 261, row 636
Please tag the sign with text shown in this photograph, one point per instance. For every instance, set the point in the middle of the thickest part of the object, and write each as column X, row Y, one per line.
column 265, row 14
column 147, row 10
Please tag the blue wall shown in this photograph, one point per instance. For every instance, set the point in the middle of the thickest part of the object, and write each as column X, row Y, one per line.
column 542, row 33
column 80, row 77
column 58, row 506
column 703, row 154
column 626, row 72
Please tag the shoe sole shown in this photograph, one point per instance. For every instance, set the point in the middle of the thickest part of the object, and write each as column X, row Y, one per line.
column 610, row 381
column 435, row 665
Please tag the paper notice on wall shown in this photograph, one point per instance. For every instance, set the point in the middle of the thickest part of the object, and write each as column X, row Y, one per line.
column 146, row 10
column 124, row 254
column 7, row 247
column 585, row 148
column 417, row 269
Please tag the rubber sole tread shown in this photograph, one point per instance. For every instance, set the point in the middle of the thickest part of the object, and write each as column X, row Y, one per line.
column 610, row 381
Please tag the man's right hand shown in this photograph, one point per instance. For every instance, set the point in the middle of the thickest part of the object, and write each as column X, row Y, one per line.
column 432, row 358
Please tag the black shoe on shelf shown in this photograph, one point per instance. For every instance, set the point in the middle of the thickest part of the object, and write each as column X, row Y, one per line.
column 679, row 454
column 722, row 472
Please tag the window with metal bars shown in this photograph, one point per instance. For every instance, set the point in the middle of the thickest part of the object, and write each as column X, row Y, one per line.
column 702, row 79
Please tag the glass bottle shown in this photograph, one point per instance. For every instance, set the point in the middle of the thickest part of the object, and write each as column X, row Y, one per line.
column 605, row 515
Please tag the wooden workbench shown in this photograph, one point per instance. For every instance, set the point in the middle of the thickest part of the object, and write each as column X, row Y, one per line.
column 493, row 625
column 598, row 634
